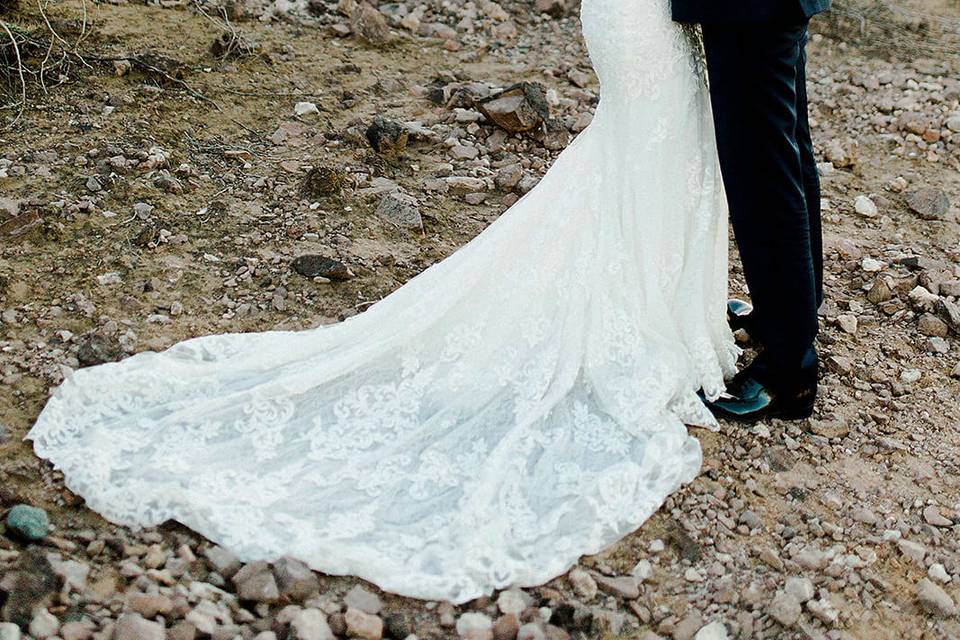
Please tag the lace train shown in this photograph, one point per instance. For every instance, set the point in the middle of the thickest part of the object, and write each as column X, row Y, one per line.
column 509, row 409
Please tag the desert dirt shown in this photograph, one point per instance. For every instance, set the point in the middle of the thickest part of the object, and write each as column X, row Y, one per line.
column 154, row 190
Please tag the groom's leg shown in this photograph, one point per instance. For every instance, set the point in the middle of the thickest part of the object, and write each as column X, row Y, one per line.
column 811, row 179
column 755, row 80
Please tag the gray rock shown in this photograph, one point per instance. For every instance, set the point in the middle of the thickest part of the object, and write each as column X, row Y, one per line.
column 255, row 582
column 935, row 600
column 520, row 107
column 800, row 588
column 621, row 586
column 295, row 580
column 475, row 626
column 930, row 203
column 583, row 583
column 9, row 631
column 400, row 209
column 311, row 624
column 360, row 598
column 222, row 561
column 716, row 630
column 785, row 609
column 44, row 625
column 28, row 523
column 823, row 611
column 132, row 626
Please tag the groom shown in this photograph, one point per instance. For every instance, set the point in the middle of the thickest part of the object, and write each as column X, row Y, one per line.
column 756, row 59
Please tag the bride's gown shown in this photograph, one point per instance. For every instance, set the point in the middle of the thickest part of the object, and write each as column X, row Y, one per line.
column 513, row 407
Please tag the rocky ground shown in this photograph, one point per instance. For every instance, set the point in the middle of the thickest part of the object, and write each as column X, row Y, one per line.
column 186, row 168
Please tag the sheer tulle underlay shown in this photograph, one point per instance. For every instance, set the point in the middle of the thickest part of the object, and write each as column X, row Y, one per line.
column 513, row 407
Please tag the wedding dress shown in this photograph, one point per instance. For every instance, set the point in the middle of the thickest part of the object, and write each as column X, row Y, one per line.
column 513, row 407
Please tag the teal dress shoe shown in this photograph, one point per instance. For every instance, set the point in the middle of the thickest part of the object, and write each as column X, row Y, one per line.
column 762, row 391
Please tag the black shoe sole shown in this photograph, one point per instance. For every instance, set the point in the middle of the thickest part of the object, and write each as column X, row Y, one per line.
column 792, row 413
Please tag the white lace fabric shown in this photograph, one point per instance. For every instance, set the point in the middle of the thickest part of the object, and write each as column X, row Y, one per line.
column 513, row 407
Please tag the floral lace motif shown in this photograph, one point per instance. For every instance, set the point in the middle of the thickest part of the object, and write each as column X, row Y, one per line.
column 511, row 408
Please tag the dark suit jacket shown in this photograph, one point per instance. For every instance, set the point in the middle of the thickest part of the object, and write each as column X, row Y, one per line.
column 745, row 11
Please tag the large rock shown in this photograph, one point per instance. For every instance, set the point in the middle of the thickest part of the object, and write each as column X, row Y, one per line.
column 929, row 203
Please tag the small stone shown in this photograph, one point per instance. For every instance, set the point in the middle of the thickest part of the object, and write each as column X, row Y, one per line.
column 642, row 570
column 519, row 107
column 583, row 583
column 387, row 137
column 692, row 575
column 363, row 625
column 400, row 209
column 9, row 631
column 930, row 203
column 295, row 580
column 923, row 299
column 306, row 109
column 932, row 516
column 313, row 265
column 474, row 626
column 28, row 523
column 935, row 600
column 800, row 588
column 913, row 550
column 511, row 601
column 222, row 561
column 785, row 609
column 132, row 626
column 716, row 630
column 531, row 631
column 931, row 325
column 865, row 207
column 44, row 625
column 149, row 605
column 76, row 630
column 751, row 519
column 909, row 376
column 360, row 598
column 872, row 265
column 506, row 627
column 311, row 624
column 823, row 611
column 880, row 292
column 371, row 25
column 255, row 582
column 623, row 587
column 323, row 182
column 848, row 323
column 938, row 573
column 864, row 515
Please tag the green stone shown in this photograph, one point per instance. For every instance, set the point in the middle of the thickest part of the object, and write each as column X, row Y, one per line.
column 28, row 523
